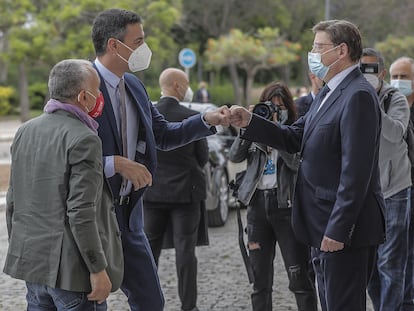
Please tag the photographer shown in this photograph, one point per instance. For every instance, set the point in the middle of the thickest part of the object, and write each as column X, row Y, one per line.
column 267, row 190
column 385, row 287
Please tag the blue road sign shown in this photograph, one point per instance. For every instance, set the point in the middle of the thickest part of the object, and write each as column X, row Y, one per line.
column 187, row 58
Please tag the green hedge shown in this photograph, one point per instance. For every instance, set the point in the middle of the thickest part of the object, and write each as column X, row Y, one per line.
column 221, row 94
column 37, row 95
column 6, row 96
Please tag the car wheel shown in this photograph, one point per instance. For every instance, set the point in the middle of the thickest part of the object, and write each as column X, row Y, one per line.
column 217, row 216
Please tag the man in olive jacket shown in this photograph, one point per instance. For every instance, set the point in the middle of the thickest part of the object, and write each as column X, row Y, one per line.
column 63, row 234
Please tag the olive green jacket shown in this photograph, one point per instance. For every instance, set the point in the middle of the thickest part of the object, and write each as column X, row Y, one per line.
column 60, row 217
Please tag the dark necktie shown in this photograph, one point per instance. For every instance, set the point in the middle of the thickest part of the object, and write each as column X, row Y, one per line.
column 123, row 125
column 321, row 95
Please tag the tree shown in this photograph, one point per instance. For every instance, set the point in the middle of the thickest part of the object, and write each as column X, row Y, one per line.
column 393, row 48
column 265, row 50
column 46, row 31
column 12, row 14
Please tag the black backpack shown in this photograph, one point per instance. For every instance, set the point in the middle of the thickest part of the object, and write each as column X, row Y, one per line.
column 409, row 135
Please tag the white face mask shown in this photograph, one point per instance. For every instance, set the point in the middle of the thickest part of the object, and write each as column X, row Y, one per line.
column 404, row 86
column 139, row 59
column 372, row 79
column 188, row 96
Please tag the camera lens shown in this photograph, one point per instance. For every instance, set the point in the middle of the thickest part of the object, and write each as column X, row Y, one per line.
column 262, row 110
column 265, row 110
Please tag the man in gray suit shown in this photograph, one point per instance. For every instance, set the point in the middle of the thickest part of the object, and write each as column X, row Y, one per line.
column 63, row 234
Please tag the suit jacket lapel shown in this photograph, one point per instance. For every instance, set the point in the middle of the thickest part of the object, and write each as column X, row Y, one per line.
column 315, row 116
column 137, row 100
column 108, row 112
column 144, row 116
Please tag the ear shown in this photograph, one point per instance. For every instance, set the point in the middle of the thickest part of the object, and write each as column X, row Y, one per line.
column 81, row 96
column 343, row 50
column 382, row 74
column 112, row 45
column 176, row 86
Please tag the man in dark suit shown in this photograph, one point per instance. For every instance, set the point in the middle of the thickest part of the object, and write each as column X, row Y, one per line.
column 178, row 189
column 131, row 129
column 338, row 206
column 304, row 103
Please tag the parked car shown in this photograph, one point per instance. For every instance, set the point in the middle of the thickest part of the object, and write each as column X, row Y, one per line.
column 219, row 170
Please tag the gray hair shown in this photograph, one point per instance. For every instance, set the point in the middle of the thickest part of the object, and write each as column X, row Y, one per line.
column 377, row 54
column 405, row 59
column 342, row 31
column 67, row 78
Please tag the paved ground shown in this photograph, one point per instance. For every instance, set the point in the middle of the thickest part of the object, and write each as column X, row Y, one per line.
column 222, row 280
column 223, row 284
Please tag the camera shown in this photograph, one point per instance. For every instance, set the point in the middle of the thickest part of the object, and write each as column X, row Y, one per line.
column 371, row 68
column 266, row 110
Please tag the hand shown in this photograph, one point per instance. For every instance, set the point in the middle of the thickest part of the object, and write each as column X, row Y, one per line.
column 240, row 116
column 220, row 116
column 101, row 286
column 329, row 245
column 135, row 172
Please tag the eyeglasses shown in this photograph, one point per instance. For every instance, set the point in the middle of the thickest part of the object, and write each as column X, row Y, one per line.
column 319, row 46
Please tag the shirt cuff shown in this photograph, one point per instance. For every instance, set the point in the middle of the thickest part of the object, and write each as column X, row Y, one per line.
column 208, row 125
column 109, row 166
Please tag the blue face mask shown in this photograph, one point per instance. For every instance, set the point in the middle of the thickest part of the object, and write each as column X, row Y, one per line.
column 404, row 86
column 316, row 66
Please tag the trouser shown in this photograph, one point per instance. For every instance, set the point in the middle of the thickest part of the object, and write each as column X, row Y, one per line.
column 266, row 225
column 141, row 283
column 386, row 287
column 408, row 304
column 184, row 219
column 44, row 298
column 343, row 277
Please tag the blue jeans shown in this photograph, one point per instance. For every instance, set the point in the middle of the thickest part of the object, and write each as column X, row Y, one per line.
column 408, row 304
column 44, row 298
column 386, row 287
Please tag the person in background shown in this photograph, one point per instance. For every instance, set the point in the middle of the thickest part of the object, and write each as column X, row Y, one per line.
column 132, row 130
column 304, row 102
column 402, row 77
column 202, row 95
column 338, row 208
column 267, row 191
column 63, row 234
column 385, row 287
column 177, row 191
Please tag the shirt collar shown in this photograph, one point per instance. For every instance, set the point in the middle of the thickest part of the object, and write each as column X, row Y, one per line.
column 338, row 78
column 109, row 77
column 168, row 96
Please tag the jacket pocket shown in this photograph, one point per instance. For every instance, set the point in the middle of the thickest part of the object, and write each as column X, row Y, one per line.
column 325, row 194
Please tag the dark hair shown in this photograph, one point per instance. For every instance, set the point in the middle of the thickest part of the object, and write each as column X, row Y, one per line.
column 377, row 54
column 281, row 90
column 111, row 24
column 342, row 31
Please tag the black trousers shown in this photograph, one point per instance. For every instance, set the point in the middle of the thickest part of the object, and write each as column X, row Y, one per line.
column 343, row 277
column 267, row 225
column 184, row 219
